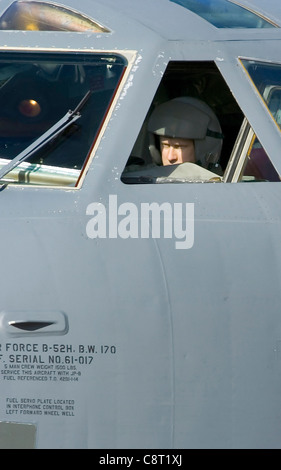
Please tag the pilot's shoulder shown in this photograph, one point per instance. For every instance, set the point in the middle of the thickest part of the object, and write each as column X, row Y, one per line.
column 192, row 171
column 180, row 172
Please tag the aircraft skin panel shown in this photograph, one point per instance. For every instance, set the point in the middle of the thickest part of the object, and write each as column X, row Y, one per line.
column 147, row 332
column 140, row 338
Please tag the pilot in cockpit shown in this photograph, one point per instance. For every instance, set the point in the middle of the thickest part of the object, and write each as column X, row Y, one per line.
column 186, row 131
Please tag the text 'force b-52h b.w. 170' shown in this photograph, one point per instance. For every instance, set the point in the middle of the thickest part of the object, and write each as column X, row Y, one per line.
column 140, row 285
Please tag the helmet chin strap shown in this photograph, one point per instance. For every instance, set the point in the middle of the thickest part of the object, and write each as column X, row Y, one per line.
column 155, row 154
column 211, row 158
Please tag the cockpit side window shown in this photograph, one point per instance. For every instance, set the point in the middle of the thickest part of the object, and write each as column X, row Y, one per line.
column 266, row 78
column 194, row 104
column 52, row 107
column 253, row 161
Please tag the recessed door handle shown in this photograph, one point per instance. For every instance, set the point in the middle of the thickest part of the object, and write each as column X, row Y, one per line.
column 30, row 325
column 22, row 323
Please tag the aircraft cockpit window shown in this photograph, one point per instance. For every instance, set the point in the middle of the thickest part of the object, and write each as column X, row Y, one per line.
column 52, row 108
column 41, row 16
column 226, row 14
column 267, row 80
column 196, row 132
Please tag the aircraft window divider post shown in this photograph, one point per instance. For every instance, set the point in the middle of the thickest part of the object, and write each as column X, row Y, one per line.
column 246, row 151
column 240, row 151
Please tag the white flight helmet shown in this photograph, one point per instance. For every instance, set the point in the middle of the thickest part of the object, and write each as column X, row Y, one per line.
column 187, row 118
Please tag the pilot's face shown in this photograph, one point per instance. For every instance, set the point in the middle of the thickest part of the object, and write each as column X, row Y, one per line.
column 177, row 150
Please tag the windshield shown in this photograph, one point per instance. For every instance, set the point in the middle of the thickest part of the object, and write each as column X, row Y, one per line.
column 226, row 14
column 36, row 91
